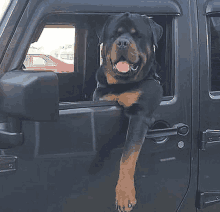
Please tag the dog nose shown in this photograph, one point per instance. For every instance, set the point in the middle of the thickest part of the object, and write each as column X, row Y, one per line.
column 122, row 43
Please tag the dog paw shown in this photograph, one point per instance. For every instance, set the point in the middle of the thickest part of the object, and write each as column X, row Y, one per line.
column 125, row 195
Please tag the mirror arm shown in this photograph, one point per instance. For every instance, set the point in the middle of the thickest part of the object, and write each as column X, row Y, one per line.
column 11, row 133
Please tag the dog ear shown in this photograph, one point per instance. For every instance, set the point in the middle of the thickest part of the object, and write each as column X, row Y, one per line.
column 157, row 30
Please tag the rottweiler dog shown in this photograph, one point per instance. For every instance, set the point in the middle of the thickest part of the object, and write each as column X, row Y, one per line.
column 128, row 75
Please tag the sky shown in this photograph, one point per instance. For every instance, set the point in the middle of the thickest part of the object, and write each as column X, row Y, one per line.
column 53, row 38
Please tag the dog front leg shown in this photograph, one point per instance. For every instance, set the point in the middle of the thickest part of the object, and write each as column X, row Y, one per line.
column 125, row 190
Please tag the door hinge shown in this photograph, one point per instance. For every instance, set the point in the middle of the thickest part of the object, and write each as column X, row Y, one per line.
column 208, row 198
column 209, row 138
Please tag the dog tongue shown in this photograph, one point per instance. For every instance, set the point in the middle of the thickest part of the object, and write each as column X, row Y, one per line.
column 122, row 66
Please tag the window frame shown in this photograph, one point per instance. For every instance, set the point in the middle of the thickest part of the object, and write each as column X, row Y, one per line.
column 82, row 30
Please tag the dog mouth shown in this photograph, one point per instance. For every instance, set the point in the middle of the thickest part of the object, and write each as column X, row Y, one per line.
column 122, row 66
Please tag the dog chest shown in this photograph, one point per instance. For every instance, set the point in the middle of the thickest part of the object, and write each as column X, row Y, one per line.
column 125, row 99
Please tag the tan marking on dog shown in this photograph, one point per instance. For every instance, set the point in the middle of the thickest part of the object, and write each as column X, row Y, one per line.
column 125, row 189
column 144, row 58
column 148, row 50
column 128, row 98
column 133, row 53
column 120, row 29
column 110, row 97
column 133, row 30
column 108, row 70
column 111, row 79
column 114, row 52
column 127, row 164
column 105, row 53
column 125, row 99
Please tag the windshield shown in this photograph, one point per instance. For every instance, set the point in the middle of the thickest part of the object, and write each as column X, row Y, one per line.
column 3, row 7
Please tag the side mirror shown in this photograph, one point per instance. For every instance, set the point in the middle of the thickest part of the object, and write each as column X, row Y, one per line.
column 27, row 95
column 30, row 95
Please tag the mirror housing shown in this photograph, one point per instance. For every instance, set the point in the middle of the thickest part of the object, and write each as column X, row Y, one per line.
column 30, row 95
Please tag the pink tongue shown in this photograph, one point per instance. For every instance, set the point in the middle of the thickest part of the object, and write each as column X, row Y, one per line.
column 122, row 66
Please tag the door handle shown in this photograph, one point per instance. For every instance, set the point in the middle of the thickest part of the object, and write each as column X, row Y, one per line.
column 209, row 138
column 177, row 129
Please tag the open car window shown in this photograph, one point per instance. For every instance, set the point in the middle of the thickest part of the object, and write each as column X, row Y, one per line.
column 54, row 50
column 66, row 48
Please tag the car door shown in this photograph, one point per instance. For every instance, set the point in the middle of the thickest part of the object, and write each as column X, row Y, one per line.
column 164, row 167
column 44, row 164
column 208, row 187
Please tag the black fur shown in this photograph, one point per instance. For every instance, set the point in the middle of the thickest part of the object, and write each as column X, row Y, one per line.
column 142, row 35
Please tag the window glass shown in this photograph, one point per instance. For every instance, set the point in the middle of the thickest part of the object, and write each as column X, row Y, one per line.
column 53, row 51
column 215, row 53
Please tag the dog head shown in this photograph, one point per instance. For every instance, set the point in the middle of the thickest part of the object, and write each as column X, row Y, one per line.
column 128, row 45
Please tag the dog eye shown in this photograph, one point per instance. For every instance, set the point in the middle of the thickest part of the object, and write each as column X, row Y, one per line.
column 120, row 30
column 118, row 33
column 136, row 34
column 133, row 31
